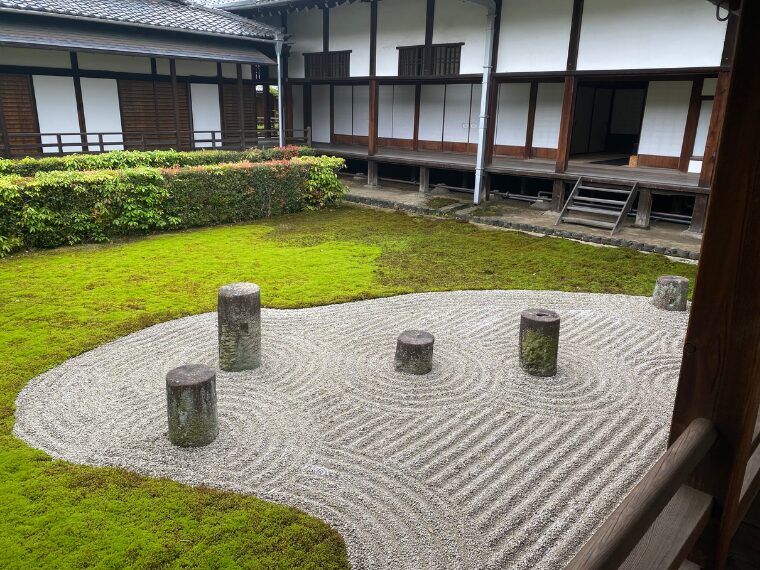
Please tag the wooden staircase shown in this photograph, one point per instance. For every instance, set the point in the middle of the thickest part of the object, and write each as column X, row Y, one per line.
column 599, row 205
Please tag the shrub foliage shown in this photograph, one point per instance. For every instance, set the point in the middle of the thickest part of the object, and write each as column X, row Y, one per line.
column 71, row 206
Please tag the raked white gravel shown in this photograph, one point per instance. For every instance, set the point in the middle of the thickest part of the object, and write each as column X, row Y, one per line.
column 475, row 465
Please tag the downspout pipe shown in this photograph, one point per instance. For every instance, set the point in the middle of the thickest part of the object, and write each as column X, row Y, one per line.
column 480, row 161
column 279, row 42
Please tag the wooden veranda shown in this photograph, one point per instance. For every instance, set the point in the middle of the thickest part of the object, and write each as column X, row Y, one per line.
column 686, row 510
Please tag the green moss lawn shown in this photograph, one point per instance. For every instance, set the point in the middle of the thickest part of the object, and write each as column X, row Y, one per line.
column 56, row 304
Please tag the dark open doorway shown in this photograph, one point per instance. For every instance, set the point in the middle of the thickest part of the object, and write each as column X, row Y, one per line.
column 607, row 122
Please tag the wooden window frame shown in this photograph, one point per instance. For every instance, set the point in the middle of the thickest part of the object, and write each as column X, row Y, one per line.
column 444, row 60
column 327, row 65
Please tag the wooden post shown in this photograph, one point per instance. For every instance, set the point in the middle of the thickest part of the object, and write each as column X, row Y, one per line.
column 424, row 178
column 4, row 131
column 571, row 84
column 267, row 111
column 373, row 118
column 558, row 194
column 698, row 214
column 220, row 89
column 372, row 175
column 644, row 208
column 692, row 120
column 417, row 101
column 79, row 100
column 175, row 97
column 241, row 103
column 528, row 150
column 720, row 373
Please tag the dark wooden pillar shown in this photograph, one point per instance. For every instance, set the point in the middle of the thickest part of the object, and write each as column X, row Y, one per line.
column 374, row 94
column 4, row 131
column 220, row 88
column 493, row 96
column 427, row 51
column 720, row 374
column 698, row 214
column 241, row 103
column 692, row 120
column 528, row 150
column 417, row 100
column 175, row 98
column 267, row 110
column 79, row 100
column 644, row 208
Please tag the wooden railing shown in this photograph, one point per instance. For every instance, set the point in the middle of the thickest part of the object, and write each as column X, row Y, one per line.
column 30, row 144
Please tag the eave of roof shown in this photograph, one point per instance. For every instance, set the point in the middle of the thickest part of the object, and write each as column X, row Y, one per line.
column 176, row 15
column 269, row 7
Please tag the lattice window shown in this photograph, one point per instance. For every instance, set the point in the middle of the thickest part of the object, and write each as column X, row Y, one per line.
column 443, row 60
column 328, row 65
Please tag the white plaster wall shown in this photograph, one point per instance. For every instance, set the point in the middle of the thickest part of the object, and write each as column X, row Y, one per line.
column 459, row 21
column 399, row 23
column 548, row 115
column 306, row 30
column 100, row 99
column 534, row 35
column 385, row 111
column 456, row 118
column 297, row 91
column 431, row 112
column 320, row 113
column 56, row 110
column 512, row 114
column 703, row 125
column 187, row 67
column 230, row 70
column 206, row 115
column 477, row 89
column 35, row 57
column 709, row 86
column 695, row 166
column 621, row 34
column 349, row 30
column 343, row 110
column 665, row 118
column 403, row 112
column 361, row 110
column 108, row 62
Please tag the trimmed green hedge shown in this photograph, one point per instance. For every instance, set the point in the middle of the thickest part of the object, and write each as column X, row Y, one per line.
column 119, row 159
column 68, row 207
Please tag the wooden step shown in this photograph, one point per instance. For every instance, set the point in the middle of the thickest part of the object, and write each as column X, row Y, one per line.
column 599, row 200
column 589, row 222
column 590, row 210
column 610, row 190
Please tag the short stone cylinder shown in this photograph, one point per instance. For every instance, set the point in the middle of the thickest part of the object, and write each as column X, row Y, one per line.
column 191, row 405
column 539, row 342
column 671, row 293
column 239, row 314
column 414, row 352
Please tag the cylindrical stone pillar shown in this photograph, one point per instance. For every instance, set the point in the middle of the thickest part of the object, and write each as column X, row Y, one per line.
column 671, row 293
column 539, row 341
column 414, row 352
column 239, row 313
column 191, row 405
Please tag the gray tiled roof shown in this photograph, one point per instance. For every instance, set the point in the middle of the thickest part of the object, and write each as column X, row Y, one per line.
column 167, row 14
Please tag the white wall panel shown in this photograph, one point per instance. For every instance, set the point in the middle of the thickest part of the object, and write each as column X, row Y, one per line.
column 457, row 21
column 665, row 118
column 709, row 86
column 297, row 98
column 399, row 23
column 477, row 89
column 306, row 28
column 385, row 111
column 56, row 109
column 100, row 99
column 207, row 121
column 320, row 113
column 342, row 110
column 534, row 35
column 431, row 112
column 229, row 70
column 186, row 68
column 108, row 62
column 349, row 30
column 703, row 125
column 403, row 112
column 621, row 34
column 35, row 57
column 548, row 115
column 456, row 117
column 512, row 114
column 361, row 110
column 695, row 166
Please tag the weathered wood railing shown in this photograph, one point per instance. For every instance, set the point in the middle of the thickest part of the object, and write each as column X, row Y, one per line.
column 20, row 144
column 659, row 521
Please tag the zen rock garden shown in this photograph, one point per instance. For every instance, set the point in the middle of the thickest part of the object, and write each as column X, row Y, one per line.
column 191, row 388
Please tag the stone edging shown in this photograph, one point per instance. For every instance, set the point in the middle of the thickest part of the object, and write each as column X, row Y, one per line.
column 579, row 236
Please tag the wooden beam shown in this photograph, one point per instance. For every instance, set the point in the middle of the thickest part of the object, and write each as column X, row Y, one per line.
column 720, row 373
column 79, row 100
column 175, row 98
column 531, row 119
column 575, row 35
column 373, row 38
column 241, row 102
column 566, row 124
column 325, row 29
column 692, row 120
column 220, row 89
column 417, row 100
column 427, row 52
column 493, row 94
